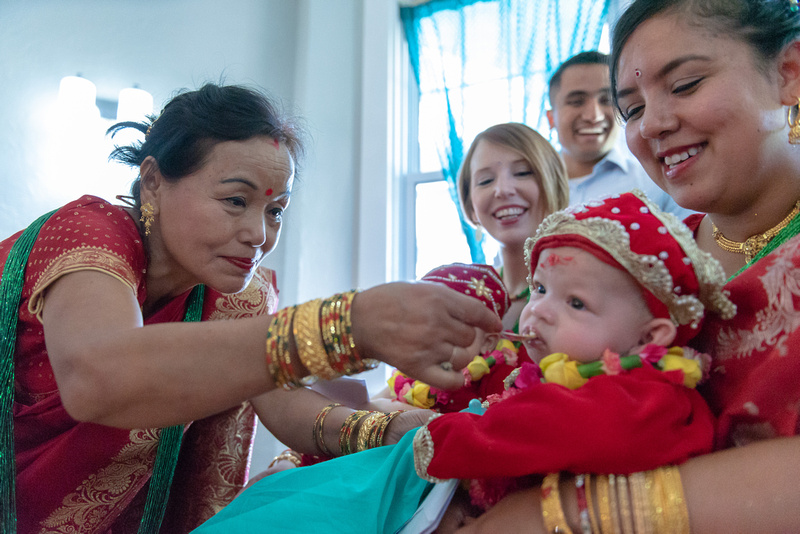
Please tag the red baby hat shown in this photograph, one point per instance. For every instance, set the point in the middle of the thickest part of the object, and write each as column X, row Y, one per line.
column 475, row 280
column 631, row 233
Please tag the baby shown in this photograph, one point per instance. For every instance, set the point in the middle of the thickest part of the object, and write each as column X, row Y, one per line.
column 613, row 284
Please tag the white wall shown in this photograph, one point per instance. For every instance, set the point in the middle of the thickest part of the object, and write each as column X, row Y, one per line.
column 328, row 59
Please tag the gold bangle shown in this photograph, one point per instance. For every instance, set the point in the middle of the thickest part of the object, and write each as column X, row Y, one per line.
column 674, row 503
column 346, row 433
column 317, row 432
column 592, row 516
column 380, row 431
column 654, row 489
column 612, row 502
column 308, row 340
column 289, row 455
column 642, row 514
column 625, row 513
column 367, row 427
column 604, row 504
column 278, row 353
column 353, row 363
column 552, row 512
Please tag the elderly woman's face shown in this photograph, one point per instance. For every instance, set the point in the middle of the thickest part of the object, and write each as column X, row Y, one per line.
column 701, row 117
column 216, row 225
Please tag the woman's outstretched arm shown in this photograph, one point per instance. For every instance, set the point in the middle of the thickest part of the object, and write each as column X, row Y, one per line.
column 113, row 370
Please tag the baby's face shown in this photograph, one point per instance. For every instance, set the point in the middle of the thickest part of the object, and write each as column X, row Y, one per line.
column 581, row 306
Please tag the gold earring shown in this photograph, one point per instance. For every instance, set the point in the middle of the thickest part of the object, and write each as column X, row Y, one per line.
column 794, row 126
column 148, row 216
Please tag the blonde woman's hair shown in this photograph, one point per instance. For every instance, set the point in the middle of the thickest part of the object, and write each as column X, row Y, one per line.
column 549, row 169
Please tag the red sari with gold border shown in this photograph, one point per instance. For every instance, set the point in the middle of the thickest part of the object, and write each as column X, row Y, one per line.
column 88, row 478
column 754, row 385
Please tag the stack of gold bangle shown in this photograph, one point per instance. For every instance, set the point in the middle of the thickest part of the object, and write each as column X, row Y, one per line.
column 368, row 428
column 651, row 502
column 323, row 338
column 348, row 429
column 279, row 355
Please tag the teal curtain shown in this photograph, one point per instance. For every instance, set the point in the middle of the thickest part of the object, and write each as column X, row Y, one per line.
column 483, row 62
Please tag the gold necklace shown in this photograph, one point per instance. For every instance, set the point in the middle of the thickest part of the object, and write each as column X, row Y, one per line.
column 753, row 244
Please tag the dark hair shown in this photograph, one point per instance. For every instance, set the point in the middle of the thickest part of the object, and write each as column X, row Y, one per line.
column 766, row 25
column 193, row 122
column 590, row 57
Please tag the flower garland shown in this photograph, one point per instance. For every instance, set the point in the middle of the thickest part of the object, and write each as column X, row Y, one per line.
column 559, row 369
column 421, row 395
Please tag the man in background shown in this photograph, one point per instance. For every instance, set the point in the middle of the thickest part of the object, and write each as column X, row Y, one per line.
column 582, row 113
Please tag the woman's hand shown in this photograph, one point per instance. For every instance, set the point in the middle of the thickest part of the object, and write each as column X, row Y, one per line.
column 417, row 326
column 402, row 423
column 520, row 512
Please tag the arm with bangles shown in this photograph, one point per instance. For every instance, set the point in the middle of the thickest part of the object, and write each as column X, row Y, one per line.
column 295, row 418
column 113, row 370
column 747, row 489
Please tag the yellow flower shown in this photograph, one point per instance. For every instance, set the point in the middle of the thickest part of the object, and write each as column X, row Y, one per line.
column 558, row 369
column 691, row 368
column 419, row 395
column 505, row 344
column 393, row 378
column 477, row 368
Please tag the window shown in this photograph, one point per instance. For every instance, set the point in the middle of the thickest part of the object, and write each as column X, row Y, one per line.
column 432, row 230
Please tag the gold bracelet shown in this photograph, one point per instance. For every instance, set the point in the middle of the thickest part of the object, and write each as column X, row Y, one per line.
column 625, row 513
column 592, row 516
column 552, row 513
column 674, row 503
column 278, row 353
column 377, row 438
column 346, row 433
column 604, row 504
column 317, row 432
column 654, row 493
column 367, row 427
column 612, row 502
column 642, row 514
column 308, row 340
column 289, row 455
column 353, row 363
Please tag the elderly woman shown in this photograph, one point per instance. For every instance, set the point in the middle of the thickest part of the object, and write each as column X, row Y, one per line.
column 115, row 401
column 705, row 88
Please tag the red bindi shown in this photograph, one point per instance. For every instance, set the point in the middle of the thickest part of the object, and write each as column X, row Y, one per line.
column 555, row 259
column 269, row 192
column 276, row 143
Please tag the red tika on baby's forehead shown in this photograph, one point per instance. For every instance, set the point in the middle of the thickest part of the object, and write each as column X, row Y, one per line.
column 268, row 192
column 554, row 259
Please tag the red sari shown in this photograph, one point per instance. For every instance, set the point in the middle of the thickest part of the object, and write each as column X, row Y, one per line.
column 754, row 386
column 89, row 478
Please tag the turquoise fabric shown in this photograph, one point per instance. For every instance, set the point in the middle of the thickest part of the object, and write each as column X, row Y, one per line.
column 372, row 491
column 474, row 56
